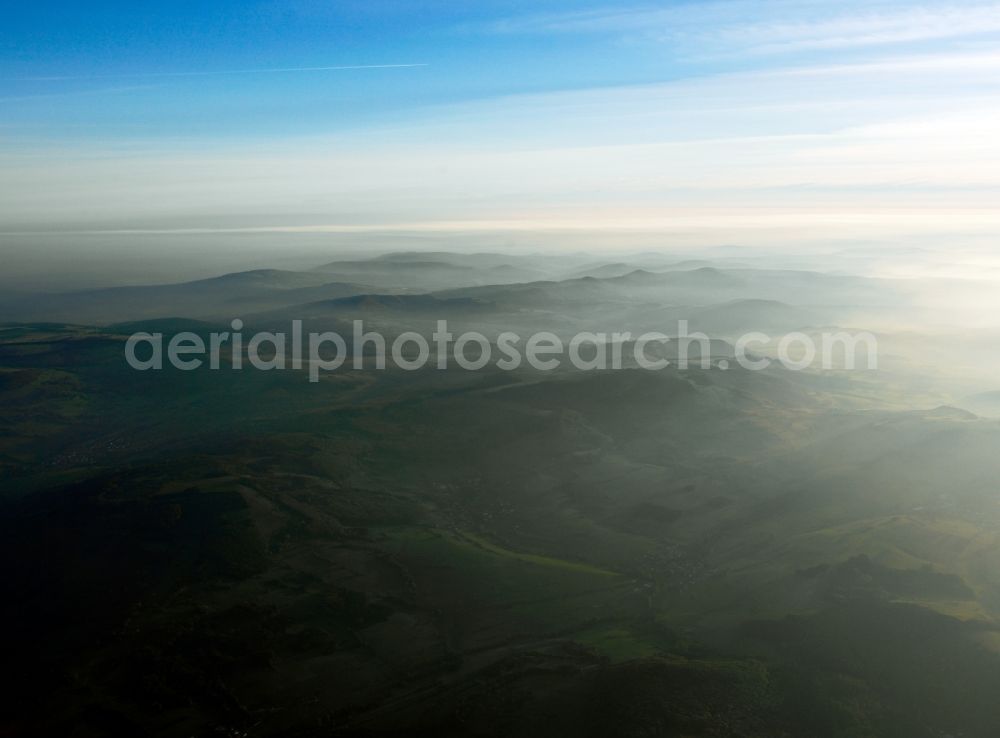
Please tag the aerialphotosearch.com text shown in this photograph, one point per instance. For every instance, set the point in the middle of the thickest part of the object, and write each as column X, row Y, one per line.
column 327, row 351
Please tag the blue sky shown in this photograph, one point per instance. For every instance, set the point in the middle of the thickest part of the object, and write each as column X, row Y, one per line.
column 867, row 115
column 108, row 70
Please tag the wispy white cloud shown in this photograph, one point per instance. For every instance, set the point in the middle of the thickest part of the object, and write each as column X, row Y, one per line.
column 871, row 28
column 217, row 72
column 787, row 26
column 988, row 62
column 76, row 93
column 718, row 142
column 616, row 19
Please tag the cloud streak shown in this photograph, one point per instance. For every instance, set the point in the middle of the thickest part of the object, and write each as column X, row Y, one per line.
column 923, row 23
column 218, row 72
column 750, row 28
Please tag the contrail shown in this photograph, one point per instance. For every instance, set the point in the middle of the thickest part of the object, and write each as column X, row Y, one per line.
column 271, row 70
